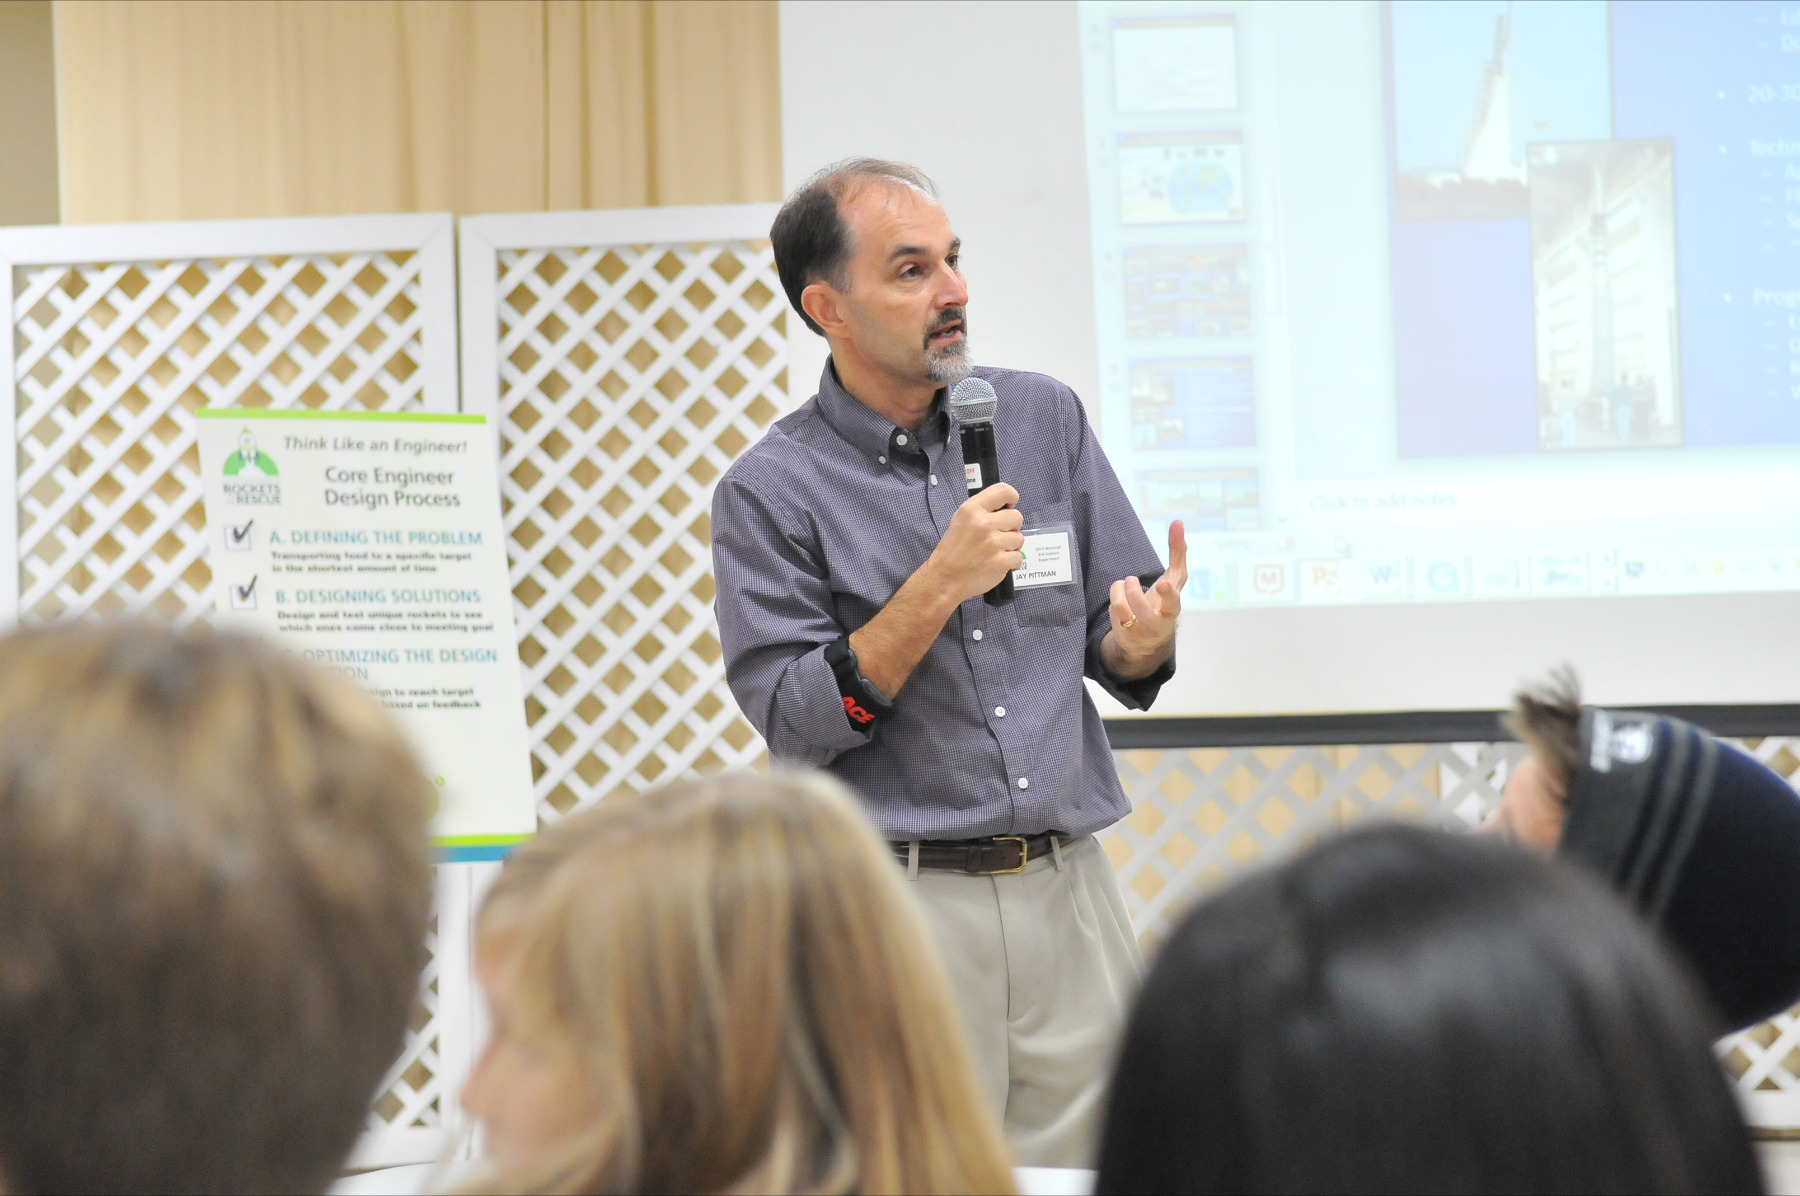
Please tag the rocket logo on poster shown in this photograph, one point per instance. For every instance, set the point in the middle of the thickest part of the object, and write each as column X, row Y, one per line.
column 248, row 456
column 248, row 473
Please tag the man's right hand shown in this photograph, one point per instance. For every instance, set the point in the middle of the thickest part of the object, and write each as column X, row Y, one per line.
column 981, row 545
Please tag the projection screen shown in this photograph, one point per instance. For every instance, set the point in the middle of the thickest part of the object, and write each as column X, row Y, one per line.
column 1463, row 336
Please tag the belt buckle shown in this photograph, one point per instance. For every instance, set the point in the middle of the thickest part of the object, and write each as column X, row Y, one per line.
column 1024, row 854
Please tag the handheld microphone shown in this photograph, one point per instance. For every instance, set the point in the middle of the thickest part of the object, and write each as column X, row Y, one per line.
column 973, row 402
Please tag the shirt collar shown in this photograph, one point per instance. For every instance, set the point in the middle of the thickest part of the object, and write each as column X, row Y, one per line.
column 868, row 432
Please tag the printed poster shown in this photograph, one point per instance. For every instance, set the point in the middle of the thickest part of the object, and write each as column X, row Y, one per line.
column 370, row 543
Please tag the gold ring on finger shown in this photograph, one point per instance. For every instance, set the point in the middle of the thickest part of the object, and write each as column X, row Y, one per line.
column 1128, row 623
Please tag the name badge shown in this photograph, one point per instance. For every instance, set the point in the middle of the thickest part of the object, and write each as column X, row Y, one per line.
column 1049, row 557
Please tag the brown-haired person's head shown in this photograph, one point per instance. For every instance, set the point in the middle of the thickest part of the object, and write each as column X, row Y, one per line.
column 213, row 899
column 1546, row 717
column 721, row 986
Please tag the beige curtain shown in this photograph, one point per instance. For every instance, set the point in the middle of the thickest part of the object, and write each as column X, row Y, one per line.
column 27, row 114
column 208, row 109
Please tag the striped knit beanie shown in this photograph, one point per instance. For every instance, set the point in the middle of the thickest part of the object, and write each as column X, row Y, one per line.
column 1704, row 841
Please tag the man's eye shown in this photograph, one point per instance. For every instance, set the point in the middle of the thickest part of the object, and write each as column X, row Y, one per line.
column 955, row 261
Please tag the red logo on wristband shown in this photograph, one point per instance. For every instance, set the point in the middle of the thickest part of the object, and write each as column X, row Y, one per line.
column 857, row 712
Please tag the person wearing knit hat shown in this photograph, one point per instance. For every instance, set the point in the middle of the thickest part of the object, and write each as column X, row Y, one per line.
column 1702, row 839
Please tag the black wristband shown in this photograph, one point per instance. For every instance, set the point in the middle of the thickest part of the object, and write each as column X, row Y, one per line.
column 864, row 705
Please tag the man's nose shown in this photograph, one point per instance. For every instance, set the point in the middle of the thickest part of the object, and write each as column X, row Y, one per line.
column 955, row 292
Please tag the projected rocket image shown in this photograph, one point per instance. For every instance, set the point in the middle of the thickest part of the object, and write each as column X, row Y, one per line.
column 1489, row 181
column 1476, row 82
column 1603, row 294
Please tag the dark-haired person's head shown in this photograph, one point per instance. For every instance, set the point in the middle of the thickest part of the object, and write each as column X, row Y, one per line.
column 1403, row 1010
column 869, row 261
column 212, row 912
column 1698, row 836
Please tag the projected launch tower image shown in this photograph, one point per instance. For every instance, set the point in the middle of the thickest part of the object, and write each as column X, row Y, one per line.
column 1603, row 294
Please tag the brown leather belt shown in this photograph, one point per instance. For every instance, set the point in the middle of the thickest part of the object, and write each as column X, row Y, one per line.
column 979, row 857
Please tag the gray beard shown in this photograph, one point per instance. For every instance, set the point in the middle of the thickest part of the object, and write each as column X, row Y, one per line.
column 952, row 365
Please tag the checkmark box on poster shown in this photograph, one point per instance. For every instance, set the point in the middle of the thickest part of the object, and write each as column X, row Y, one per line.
column 237, row 537
column 243, row 597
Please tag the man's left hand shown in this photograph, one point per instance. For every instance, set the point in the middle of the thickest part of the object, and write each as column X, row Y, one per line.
column 1143, row 621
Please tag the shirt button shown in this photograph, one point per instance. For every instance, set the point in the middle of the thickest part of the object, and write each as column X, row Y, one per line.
column 999, row 712
column 883, row 460
column 1024, row 782
column 934, row 479
column 976, row 633
column 900, row 439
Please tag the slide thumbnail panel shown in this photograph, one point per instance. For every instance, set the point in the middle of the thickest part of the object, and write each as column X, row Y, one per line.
column 1181, row 178
column 1175, row 64
column 1187, row 291
column 1193, row 403
column 1205, row 500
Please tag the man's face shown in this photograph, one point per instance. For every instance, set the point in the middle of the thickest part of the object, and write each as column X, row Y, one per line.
column 903, row 311
column 1532, row 807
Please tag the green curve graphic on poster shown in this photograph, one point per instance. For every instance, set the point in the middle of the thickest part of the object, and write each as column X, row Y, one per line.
column 248, row 456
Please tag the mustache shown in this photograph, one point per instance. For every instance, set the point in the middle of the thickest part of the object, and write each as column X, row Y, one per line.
column 951, row 315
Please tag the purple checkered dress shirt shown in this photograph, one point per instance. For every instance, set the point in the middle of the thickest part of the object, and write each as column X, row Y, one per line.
column 819, row 523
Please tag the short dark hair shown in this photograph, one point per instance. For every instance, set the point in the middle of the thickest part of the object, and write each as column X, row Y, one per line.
column 811, row 240
column 1546, row 717
column 212, row 911
column 1402, row 1009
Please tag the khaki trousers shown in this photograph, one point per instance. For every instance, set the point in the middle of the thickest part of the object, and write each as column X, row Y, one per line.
column 1043, row 964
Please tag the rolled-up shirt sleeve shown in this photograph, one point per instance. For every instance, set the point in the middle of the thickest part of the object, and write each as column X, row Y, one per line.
column 774, row 606
column 1114, row 546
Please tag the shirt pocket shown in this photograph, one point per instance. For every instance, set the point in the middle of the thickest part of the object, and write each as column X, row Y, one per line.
column 1059, row 605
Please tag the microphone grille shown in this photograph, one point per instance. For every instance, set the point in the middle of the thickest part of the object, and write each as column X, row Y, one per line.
column 973, row 401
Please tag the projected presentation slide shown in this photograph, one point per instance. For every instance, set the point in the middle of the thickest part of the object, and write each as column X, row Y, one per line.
column 1185, row 63
column 1187, row 291
column 1452, row 300
column 1180, row 178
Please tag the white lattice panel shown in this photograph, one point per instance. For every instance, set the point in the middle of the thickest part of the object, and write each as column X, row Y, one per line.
column 416, row 1117
column 118, row 334
column 627, row 357
column 1203, row 817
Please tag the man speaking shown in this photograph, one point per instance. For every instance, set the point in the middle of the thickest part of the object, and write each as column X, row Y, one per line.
column 852, row 564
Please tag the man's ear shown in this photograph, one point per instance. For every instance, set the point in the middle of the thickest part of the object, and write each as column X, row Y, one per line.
column 820, row 301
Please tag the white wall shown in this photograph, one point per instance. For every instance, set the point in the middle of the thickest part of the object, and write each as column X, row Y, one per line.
column 984, row 97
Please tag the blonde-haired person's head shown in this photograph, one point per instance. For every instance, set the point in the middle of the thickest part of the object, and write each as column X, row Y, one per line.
column 213, row 895
column 720, row 986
